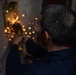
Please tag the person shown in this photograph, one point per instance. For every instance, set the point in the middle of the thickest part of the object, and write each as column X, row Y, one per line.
column 58, row 24
column 35, row 49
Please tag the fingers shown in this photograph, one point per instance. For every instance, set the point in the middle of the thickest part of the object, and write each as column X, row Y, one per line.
column 17, row 39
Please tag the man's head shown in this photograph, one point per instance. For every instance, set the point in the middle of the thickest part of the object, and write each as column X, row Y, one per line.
column 59, row 22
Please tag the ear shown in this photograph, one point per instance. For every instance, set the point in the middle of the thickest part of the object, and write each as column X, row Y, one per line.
column 47, row 36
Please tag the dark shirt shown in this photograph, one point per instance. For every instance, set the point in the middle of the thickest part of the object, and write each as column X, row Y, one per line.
column 62, row 62
column 35, row 49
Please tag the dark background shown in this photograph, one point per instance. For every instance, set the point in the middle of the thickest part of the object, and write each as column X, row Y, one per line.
column 62, row 2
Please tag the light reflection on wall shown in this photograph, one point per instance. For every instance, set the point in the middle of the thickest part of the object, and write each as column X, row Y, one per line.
column 11, row 16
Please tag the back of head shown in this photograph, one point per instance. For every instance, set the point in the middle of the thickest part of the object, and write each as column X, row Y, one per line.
column 60, row 22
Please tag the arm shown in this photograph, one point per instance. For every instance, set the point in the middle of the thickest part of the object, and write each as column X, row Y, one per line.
column 35, row 49
column 14, row 66
column 13, row 62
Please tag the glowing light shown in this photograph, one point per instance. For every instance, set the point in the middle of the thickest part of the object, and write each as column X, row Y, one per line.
column 30, row 33
column 8, row 28
column 17, row 18
column 33, row 31
column 5, row 31
column 8, row 31
column 4, row 46
column 25, row 32
column 33, row 38
column 23, row 26
column 8, row 18
column 10, row 39
column 18, row 22
column 12, row 36
column 24, row 29
column 29, row 27
column 36, row 18
column 13, row 21
column 28, row 36
column 23, row 15
column 7, row 11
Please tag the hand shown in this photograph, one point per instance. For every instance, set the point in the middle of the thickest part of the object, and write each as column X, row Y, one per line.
column 17, row 39
column 25, row 37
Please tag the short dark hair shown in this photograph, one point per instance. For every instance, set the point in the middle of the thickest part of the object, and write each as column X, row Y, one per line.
column 60, row 22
